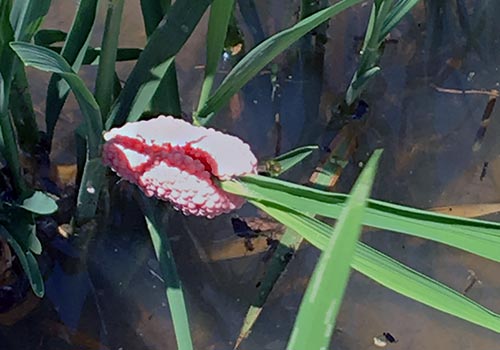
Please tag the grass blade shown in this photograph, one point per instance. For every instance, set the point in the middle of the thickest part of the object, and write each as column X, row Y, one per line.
column 168, row 269
column 21, row 109
column 262, row 54
column 8, row 140
column 46, row 37
column 26, row 17
column 153, row 12
column 166, row 99
column 389, row 272
column 156, row 58
column 341, row 149
column 320, row 305
column 47, row 60
column 104, row 85
column 399, row 10
column 290, row 159
column 93, row 53
column 73, row 52
column 220, row 13
column 475, row 236
column 28, row 263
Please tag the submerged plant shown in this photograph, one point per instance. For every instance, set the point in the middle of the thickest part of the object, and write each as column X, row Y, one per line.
column 175, row 161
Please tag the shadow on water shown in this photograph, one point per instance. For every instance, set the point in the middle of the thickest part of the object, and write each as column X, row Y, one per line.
column 105, row 292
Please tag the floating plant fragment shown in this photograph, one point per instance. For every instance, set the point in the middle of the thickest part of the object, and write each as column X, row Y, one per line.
column 175, row 161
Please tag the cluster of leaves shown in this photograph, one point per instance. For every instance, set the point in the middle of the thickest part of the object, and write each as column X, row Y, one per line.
column 152, row 87
column 19, row 204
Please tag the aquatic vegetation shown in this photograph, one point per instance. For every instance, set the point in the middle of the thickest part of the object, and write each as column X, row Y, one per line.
column 201, row 171
column 175, row 161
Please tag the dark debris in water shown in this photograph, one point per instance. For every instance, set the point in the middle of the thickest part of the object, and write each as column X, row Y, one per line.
column 389, row 337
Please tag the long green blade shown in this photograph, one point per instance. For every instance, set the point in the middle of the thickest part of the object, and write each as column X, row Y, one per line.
column 153, row 12
column 399, row 10
column 475, row 236
column 104, row 86
column 157, row 57
column 28, row 263
column 220, row 13
column 321, row 302
column 264, row 53
column 166, row 99
column 26, row 17
column 173, row 284
column 49, row 61
column 389, row 272
column 73, row 52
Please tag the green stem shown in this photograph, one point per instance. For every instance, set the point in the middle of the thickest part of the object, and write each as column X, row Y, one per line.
column 21, row 108
column 10, row 152
column 173, row 285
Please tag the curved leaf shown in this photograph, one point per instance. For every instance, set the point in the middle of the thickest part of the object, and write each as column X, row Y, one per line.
column 27, row 261
column 49, row 61
column 264, row 53
column 476, row 236
column 39, row 203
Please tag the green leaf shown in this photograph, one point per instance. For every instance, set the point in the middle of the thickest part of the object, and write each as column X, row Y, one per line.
column 153, row 12
column 166, row 98
column 47, row 60
column 39, row 203
column 389, row 272
column 73, row 52
column 6, row 33
column 220, row 13
column 287, row 246
column 22, row 227
column 475, row 236
column 161, row 243
column 46, row 37
column 399, row 10
column 22, row 111
column 26, row 16
column 290, row 159
column 8, row 142
column 320, row 305
column 27, row 261
column 264, row 53
column 93, row 53
column 104, row 85
column 155, row 60
column 90, row 189
column 358, row 84
column 290, row 241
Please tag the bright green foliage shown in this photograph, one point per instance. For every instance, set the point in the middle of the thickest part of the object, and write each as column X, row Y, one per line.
column 384, row 17
column 320, row 305
column 262, row 54
column 73, row 52
column 155, row 60
column 220, row 14
column 476, row 236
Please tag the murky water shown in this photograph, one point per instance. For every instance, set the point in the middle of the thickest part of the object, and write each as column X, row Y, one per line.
column 103, row 292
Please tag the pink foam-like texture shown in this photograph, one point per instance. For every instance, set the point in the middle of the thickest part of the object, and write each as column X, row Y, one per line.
column 175, row 161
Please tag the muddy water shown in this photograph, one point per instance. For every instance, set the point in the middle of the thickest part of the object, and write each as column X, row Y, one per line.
column 103, row 292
